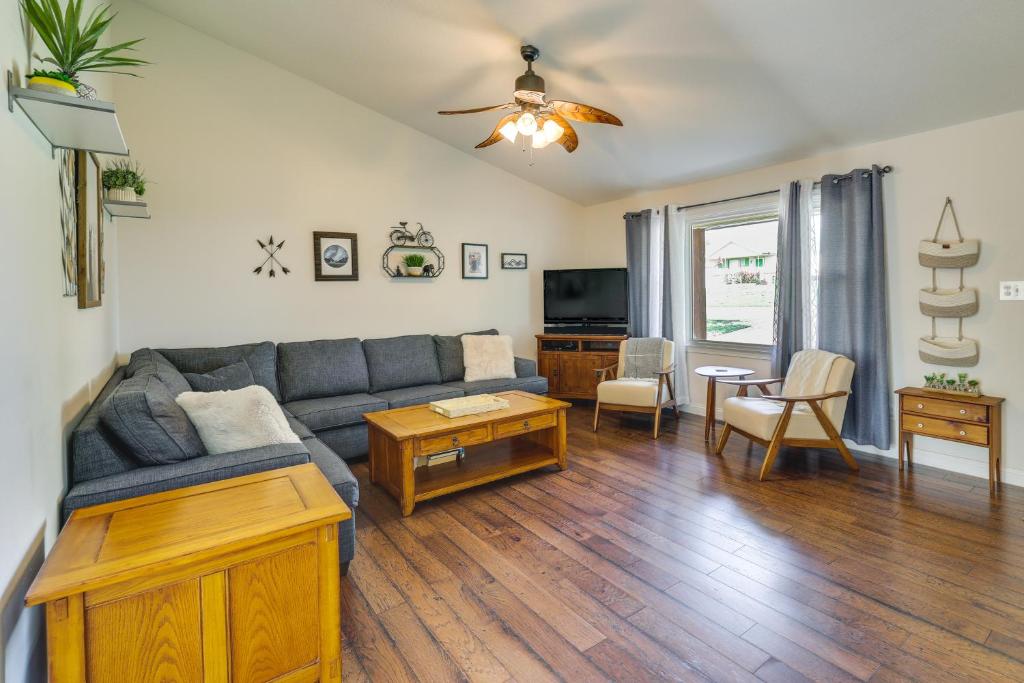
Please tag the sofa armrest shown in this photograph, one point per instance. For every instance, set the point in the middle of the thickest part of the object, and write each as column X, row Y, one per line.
column 201, row 470
column 526, row 367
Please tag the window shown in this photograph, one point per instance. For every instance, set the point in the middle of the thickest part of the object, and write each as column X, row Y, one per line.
column 734, row 304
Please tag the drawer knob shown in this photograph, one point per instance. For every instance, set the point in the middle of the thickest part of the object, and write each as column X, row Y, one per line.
column 963, row 433
column 455, row 441
column 963, row 411
column 526, row 424
column 920, row 426
column 920, row 406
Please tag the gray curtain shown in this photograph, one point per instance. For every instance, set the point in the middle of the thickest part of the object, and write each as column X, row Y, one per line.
column 789, row 303
column 639, row 233
column 853, row 316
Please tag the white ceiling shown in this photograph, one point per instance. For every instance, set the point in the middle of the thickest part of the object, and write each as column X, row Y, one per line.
column 704, row 87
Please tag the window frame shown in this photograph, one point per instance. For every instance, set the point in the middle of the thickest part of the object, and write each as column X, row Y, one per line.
column 719, row 215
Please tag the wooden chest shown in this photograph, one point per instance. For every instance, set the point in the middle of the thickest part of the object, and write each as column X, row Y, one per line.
column 975, row 420
column 236, row 580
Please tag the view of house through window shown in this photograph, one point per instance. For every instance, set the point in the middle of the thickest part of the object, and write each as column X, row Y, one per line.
column 734, row 269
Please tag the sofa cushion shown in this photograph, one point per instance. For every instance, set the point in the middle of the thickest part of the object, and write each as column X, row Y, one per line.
column 261, row 357
column 237, row 420
column 399, row 362
column 150, row 362
column 301, row 430
column 335, row 471
column 411, row 396
column 488, row 357
column 350, row 442
column 334, row 411
column 145, row 480
column 228, row 378
column 329, row 367
column 449, row 355
column 95, row 452
column 534, row 385
column 142, row 413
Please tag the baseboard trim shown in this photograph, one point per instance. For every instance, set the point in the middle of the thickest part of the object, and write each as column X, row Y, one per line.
column 12, row 602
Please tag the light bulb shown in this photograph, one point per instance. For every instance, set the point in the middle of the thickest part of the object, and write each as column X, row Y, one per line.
column 539, row 141
column 552, row 131
column 509, row 131
column 526, row 123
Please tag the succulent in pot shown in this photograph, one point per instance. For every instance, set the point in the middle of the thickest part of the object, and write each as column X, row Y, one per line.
column 414, row 264
column 124, row 181
column 72, row 41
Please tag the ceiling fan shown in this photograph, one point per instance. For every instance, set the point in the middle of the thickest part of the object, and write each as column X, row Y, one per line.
column 542, row 120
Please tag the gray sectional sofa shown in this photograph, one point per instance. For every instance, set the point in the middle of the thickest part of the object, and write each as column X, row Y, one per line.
column 133, row 441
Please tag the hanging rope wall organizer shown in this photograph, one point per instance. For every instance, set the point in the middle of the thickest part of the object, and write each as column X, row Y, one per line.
column 959, row 302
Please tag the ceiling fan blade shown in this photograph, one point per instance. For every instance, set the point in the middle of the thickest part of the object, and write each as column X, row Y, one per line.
column 569, row 140
column 583, row 112
column 496, row 133
column 496, row 107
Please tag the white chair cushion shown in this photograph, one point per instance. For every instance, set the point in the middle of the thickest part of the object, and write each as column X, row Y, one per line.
column 759, row 417
column 631, row 392
column 808, row 372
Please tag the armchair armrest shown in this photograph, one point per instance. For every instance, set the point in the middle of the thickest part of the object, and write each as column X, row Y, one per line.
column 602, row 372
column 812, row 397
column 750, row 382
column 668, row 371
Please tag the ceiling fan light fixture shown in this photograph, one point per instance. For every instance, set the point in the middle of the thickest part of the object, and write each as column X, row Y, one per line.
column 539, row 140
column 509, row 131
column 552, row 131
column 526, row 123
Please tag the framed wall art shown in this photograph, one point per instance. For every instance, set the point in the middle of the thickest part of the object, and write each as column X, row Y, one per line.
column 474, row 261
column 336, row 256
column 68, row 220
column 513, row 261
column 89, row 229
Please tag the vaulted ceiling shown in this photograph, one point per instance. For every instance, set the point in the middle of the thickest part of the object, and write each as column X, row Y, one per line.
column 704, row 87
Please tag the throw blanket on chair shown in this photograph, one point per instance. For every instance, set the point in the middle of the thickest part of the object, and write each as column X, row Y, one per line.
column 808, row 373
column 643, row 358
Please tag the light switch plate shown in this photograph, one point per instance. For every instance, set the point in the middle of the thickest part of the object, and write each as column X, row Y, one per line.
column 1012, row 290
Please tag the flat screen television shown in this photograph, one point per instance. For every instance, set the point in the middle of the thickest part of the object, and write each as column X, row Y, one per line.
column 586, row 296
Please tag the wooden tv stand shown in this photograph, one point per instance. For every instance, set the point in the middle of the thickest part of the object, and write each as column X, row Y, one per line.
column 569, row 361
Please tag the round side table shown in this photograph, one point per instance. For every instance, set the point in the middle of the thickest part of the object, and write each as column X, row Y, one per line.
column 713, row 374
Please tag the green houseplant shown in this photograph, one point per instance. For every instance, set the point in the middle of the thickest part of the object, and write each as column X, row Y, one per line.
column 124, row 181
column 414, row 264
column 72, row 44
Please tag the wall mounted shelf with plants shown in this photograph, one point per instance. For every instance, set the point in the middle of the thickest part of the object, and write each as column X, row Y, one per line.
column 406, row 244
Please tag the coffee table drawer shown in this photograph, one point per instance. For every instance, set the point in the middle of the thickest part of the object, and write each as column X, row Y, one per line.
column 946, row 429
column 524, row 425
column 967, row 412
column 466, row 437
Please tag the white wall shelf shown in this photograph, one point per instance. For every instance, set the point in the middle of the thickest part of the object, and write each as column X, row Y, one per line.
column 69, row 122
column 126, row 209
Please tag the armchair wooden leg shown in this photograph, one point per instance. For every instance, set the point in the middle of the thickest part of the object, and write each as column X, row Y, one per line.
column 597, row 414
column 776, row 442
column 657, row 420
column 672, row 395
column 833, row 435
column 726, row 432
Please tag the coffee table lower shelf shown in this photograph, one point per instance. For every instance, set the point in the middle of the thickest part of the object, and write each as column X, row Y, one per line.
column 482, row 464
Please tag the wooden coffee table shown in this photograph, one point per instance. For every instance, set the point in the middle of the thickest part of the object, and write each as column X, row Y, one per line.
column 527, row 435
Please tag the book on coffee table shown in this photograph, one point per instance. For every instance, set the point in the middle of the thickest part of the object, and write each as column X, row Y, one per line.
column 468, row 405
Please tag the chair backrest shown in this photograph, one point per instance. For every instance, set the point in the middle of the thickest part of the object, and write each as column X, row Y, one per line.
column 813, row 371
column 667, row 359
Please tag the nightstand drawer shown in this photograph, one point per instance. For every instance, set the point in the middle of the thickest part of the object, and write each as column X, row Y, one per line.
column 964, row 412
column 522, row 426
column 946, row 429
column 467, row 437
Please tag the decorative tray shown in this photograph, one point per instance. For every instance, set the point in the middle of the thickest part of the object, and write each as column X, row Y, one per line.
column 468, row 405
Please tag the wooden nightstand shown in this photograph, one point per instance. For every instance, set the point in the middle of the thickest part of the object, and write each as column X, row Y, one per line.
column 967, row 419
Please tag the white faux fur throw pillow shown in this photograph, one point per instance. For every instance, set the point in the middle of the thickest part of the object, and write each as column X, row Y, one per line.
column 488, row 356
column 236, row 420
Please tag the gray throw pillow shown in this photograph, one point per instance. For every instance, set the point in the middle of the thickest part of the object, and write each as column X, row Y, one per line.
column 228, row 378
column 150, row 362
column 142, row 414
column 449, row 355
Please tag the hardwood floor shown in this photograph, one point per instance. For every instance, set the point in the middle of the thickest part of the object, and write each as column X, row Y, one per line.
column 658, row 561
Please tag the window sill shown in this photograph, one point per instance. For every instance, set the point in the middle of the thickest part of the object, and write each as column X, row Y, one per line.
column 755, row 351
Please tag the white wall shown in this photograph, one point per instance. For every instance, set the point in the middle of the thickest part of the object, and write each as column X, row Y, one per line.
column 54, row 358
column 978, row 165
column 239, row 149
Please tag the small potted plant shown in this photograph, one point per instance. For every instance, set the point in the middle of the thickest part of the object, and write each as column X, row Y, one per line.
column 413, row 264
column 73, row 46
column 124, row 181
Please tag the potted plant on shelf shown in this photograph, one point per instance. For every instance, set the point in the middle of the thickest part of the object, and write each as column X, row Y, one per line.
column 124, row 181
column 414, row 264
column 73, row 48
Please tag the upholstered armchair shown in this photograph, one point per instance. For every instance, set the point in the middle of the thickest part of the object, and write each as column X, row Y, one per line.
column 808, row 412
column 620, row 387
